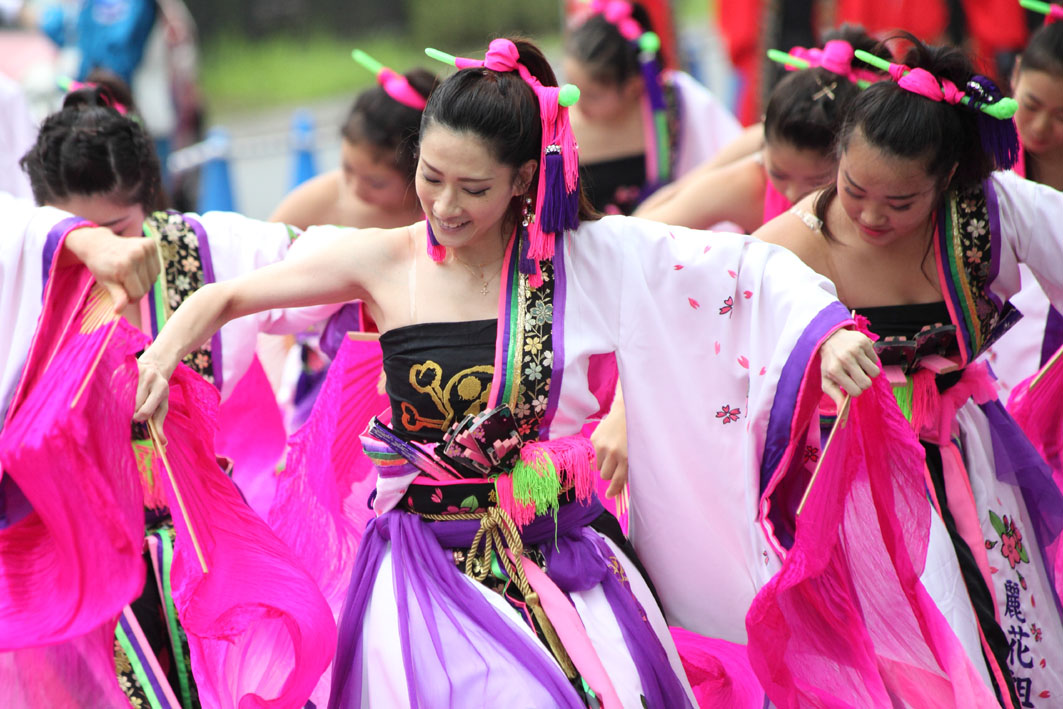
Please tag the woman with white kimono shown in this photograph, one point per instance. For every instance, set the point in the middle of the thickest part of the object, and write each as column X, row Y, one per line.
column 922, row 237
column 487, row 337
column 93, row 161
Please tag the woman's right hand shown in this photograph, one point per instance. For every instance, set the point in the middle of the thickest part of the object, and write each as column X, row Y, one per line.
column 153, row 392
column 610, row 447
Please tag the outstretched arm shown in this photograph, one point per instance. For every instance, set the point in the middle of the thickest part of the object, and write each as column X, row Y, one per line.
column 340, row 270
column 707, row 196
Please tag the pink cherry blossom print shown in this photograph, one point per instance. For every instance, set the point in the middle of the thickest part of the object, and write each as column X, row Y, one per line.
column 727, row 414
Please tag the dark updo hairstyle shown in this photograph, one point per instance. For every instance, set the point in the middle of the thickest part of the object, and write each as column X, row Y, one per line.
column 907, row 125
column 501, row 110
column 1044, row 51
column 806, row 108
column 388, row 126
column 858, row 37
column 608, row 57
column 89, row 148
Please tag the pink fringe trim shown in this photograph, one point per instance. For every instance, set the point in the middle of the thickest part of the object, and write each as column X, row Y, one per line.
column 573, row 459
column 522, row 513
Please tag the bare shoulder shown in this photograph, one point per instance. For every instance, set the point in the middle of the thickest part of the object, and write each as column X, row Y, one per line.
column 799, row 231
column 313, row 202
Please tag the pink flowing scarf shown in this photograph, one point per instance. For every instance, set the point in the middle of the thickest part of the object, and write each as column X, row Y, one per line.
column 846, row 621
column 75, row 560
column 259, row 631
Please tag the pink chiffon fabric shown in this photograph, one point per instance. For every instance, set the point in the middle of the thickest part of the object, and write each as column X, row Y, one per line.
column 251, row 434
column 75, row 560
column 259, row 631
column 846, row 621
column 718, row 671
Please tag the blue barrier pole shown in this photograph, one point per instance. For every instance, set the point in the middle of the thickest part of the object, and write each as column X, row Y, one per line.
column 303, row 164
column 215, row 185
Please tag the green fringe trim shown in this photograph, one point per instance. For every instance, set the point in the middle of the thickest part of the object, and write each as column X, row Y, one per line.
column 537, row 483
column 904, row 393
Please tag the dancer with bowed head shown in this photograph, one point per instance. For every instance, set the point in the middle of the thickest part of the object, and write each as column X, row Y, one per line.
column 491, row 574
column 923, row 236
column 803, row 116
column 93, row 159
column 373, row 187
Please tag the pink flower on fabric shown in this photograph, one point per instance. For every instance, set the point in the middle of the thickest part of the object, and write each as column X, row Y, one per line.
column 728, row 414
column 728, row 306
column 1009, row 550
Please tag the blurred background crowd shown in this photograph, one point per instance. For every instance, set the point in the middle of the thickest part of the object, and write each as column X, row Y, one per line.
column 274, row 78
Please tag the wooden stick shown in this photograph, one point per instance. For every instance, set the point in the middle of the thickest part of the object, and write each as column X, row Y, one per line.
column 364, row 336
column 1044, row 370
column 153, row 432
column 839, row 423
column 95, row 363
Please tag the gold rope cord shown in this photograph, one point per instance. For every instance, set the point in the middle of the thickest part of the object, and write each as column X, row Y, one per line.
column 496, row 534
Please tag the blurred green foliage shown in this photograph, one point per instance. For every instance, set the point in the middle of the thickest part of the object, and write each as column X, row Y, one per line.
column 463, row 24
column 238, row 73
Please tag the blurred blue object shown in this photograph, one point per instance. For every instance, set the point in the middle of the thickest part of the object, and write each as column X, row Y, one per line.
column 215, row 186
column 303, row 164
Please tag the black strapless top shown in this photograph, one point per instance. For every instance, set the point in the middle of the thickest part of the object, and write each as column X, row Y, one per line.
column 909, row 333
column 615, row 184
column 437, row 373
column 905, row 320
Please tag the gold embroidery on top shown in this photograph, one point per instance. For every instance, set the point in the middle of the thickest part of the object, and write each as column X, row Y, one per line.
column 465, row 393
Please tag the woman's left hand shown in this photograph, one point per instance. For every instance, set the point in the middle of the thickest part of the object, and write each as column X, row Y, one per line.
column 848, row 363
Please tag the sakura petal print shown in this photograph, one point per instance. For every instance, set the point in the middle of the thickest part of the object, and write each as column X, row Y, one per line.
column 728, row 306
column 716, row 346
column 728, row 415
column 747, row 294
column 678, row 267
column 743, row 362
column 693, row 303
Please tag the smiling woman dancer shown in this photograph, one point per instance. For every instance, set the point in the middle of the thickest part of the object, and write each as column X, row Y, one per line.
column 922, row 237
column 491, row 574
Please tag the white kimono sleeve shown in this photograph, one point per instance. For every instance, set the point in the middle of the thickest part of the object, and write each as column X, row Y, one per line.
column 714, row 334
column 30, row 238
column 1029, row 274
column 239, row 245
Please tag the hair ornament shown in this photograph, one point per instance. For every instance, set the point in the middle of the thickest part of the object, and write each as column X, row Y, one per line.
column 996, row 130
column 1051, row 11
column 1002, row 109
column 619, row 13
column 556, row 205
column 69, row 85
column 394, row 84
column 836, row 57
